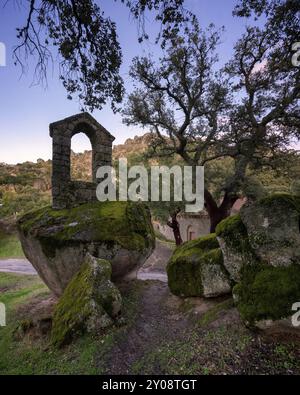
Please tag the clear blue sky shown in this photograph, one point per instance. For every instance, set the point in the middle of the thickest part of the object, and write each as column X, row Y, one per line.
column 26, row 110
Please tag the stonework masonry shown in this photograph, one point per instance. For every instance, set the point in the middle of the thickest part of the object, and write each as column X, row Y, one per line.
column 65, row 192
column 192, row 226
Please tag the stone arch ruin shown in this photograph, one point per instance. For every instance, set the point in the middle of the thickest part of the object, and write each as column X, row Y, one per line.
column 67, row 193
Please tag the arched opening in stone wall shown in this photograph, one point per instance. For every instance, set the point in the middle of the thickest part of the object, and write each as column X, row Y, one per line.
column 81, row 158
column 191, row 233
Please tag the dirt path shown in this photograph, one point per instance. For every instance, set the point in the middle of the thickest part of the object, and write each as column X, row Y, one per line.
column 21, row 266
column 155, row 266
column 169, row 335
column 162, row 325
column 157, row 321
column 153, row 269
column 164, row 334
column 158, row 318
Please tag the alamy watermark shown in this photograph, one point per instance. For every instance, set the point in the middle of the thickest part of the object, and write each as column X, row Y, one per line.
column 296, row 316
column 2, row 54
column 296, row 55
column 2, row 314
column 159, row 183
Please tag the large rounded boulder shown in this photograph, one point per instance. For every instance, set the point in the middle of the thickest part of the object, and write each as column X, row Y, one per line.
column 261, row 250
column 90, row 303
column 273, row 229
column 266, row 295
column 196, row 269
column 233, row 240
column 56, row 241
column 257, row 254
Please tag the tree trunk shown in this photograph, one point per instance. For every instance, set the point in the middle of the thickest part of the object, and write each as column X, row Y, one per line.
column 218, row 213
column 174, row 225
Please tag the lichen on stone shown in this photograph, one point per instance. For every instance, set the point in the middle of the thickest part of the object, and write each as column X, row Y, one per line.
column 125, row 223
column 196, row 269
column 90, row 303
column 272, row 225
column 56, row 241
column 233, row 231
column 233, row 240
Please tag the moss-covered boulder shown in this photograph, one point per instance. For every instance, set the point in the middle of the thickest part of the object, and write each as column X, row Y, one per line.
column 56, row 241
column 273, row 229
column 266, row 294
column 90, row 303
column 261, row 250
column 233, row 240
column 196, row 269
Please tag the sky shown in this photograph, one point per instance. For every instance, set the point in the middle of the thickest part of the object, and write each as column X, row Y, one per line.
column 26, row 109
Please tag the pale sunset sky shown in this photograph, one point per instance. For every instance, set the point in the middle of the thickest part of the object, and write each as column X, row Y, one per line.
column 27, row 110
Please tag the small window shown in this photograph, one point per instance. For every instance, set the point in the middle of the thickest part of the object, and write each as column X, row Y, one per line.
column 81, row 158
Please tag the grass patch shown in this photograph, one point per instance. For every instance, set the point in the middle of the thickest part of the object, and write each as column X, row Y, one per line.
column 212, row 314
column 163, row 238
column 198, row 353
column 228, row 349
column 88, row 355
column 10, row 246
column 15, row 286
column 199, row 349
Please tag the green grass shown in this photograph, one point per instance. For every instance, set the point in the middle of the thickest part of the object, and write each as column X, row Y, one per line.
column 35, row 355
column 10, row 246
column 213, row 313
column 197, row 353
column 219, row 350
column 203, row 348
column 163, row 238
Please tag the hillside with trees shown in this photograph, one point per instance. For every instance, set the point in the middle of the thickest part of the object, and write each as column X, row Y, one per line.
column 27, row 186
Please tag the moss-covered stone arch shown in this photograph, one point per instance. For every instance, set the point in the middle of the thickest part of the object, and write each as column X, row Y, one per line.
column 67, row 193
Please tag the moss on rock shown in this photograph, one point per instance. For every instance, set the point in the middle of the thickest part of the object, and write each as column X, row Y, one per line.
column 266, row 292
column 90, row 302
column 196, row 269
column 272, row 225
column 234, row 233
column 195, row 247
column 233, row 239
column 56, row 241
column 184, row 271
column 281, row 199
column 125, row 223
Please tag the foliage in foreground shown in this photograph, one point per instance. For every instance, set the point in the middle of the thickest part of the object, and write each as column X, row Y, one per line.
column 208, row 346
column 33, row 355
column 10, row 246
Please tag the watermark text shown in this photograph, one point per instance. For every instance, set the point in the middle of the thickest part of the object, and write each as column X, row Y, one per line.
column 2, row 54
column 159, row 183
column 296, row 55
column 296, row 316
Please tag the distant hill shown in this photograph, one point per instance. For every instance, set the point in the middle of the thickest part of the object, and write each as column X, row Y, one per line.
column 27, row 185
column 38, row 175
column 137, row 145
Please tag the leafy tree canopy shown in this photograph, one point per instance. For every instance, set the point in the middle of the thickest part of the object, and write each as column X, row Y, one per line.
column 86, row 41
column 247, row 111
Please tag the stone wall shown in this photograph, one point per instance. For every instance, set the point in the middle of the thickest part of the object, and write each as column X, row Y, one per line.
column 193, row 226
column 197, row 223
column 67, row 193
